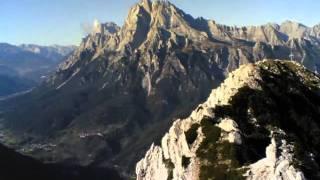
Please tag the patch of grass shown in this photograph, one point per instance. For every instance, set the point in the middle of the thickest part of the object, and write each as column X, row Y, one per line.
column 289, row 100
column 170, row 166
column 286, row 101
column 298, row 154
column 185, row 161
column 218, row 159
column 191, row 134
column 211, row 131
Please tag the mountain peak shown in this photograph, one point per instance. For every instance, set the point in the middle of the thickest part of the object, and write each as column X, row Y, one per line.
column 147, row 18
column 147, row 4
column 293, row 29
column 155, row 9
column 104, row 28
column 292, row 23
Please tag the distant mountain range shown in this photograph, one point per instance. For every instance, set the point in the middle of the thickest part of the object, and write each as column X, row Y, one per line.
column 121, row 89
column 22, row 67
column 54, row 52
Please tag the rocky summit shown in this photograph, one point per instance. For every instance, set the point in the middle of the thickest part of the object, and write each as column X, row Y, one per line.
column 261, row 123
column 121, row 89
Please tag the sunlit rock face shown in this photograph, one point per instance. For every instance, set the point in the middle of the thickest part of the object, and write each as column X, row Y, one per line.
column 248, row 128
column 123, row 86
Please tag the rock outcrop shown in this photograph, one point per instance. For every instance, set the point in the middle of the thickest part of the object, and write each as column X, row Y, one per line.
column 251, row 127
column 123, row 85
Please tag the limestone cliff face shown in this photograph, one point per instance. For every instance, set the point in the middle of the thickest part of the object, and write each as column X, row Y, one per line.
column 266, row 33
column 246, row 129
column 155, row 27
column 128, row 83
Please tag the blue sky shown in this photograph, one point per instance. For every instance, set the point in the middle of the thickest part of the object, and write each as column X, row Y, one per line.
column 48, row 22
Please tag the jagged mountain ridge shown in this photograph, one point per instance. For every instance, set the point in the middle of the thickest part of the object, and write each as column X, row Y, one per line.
column 119, row 91
column 276, row 34
column 148, row 20
column 261, row 123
